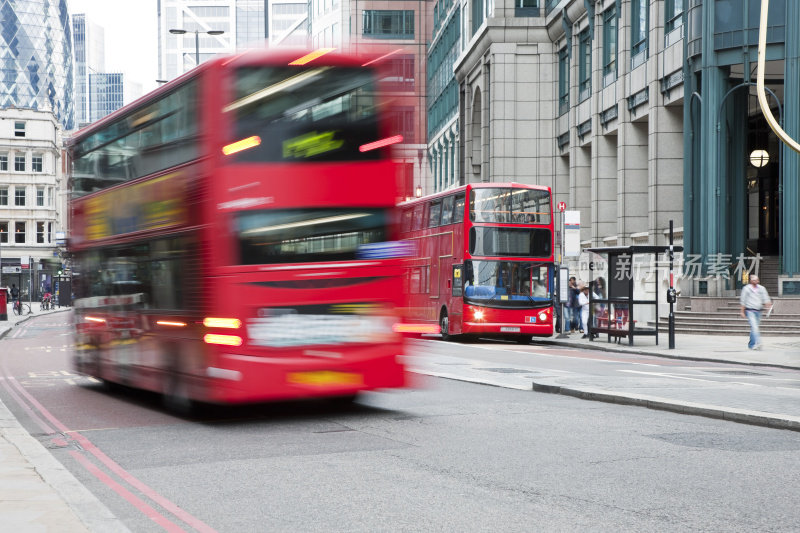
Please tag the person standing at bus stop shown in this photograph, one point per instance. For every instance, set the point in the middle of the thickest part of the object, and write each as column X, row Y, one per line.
column 571, row 309
column 753, row 300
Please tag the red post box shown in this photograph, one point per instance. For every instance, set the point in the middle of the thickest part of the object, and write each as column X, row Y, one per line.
column 3, row 303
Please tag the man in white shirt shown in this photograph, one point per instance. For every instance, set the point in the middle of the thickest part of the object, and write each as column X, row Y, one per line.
column 753, row 300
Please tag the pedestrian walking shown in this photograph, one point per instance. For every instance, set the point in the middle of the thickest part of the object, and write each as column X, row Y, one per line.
column 753, row 300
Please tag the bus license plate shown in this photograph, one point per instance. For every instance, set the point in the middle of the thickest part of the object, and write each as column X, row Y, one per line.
column 509, row 330
column 324, row 377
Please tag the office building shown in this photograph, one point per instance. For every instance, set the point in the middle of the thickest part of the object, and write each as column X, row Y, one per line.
column 633, row 123
column 36, row 58
column 32, row 203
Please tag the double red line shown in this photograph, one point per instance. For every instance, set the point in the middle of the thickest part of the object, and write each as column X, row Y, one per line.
column 101, row 466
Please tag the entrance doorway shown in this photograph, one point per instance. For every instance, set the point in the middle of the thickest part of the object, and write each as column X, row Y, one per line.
column 762, row 179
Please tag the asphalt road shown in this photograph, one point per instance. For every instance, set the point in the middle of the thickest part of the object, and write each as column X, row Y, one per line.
column 445, row 456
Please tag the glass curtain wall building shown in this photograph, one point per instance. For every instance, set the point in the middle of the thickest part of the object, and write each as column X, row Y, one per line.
column 88, row 39
column 179, row 53
column 36, row 69
column 442, row 101
column 106, row 93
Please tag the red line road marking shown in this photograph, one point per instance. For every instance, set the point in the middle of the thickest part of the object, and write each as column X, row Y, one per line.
column 148, row 511
column 87, row 445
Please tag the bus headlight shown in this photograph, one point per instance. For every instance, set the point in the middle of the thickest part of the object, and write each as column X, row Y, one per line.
column 543, row 316
column 478, row 314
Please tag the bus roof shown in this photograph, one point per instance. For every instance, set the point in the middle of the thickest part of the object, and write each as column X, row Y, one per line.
column 482, row 185
column 250, row 57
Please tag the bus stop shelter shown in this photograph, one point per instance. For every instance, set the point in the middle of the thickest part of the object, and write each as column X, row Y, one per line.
column 612, row 305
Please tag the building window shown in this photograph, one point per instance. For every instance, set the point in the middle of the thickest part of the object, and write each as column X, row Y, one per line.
column 19, row 163
column 402, row 120
column 563, row 81
column 40, row 233
column 3, row 161
column 36, row 162
column 19, row 196
column 389, row 24
column 3, row 195
column 4, row 232
column 49, row 197
column 19, row 232
column 526, row 8
column 584, row 65
column 39, row 197
column 610, row 45
column 399, row 73
column 49, row 232
column 673, row 15
column 639, row 27
column 19, row 129
column 477, row 15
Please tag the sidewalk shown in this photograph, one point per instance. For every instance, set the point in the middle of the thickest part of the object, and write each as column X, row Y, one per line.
column 37, row 493
column 779, row 352
column 773, row 402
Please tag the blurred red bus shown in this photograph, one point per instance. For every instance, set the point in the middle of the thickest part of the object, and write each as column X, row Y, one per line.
column 234, row 234
column 484, row 261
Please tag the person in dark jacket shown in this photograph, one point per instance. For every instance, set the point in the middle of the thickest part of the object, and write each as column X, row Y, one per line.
column 574, row 312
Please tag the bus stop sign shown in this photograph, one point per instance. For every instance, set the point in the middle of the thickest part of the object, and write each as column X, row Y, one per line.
column 562, row 206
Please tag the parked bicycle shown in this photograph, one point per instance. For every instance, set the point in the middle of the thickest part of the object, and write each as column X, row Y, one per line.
column 21, row 308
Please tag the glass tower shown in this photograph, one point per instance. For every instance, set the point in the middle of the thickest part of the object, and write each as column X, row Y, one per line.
column 36, row 57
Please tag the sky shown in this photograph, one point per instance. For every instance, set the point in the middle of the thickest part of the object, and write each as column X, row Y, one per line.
column 131, row 36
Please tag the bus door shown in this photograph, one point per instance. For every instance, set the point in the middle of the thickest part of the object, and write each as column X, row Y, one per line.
column 456, row 283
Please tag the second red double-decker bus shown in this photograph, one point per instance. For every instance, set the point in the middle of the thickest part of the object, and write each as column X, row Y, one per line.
column 234, row 234
column 484, row 261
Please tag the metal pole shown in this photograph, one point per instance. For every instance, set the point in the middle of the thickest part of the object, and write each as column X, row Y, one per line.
column 196, row 47
column 562, row 334
column 30, row 283
column 671, row 289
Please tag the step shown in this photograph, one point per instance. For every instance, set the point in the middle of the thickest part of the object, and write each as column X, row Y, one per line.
column 743, row 332
column 737, row 319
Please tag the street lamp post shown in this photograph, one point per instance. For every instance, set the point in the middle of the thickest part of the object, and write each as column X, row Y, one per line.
column 196, row 39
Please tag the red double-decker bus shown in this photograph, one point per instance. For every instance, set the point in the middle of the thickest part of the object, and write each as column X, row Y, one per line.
column 234, row 234
column 484, row 261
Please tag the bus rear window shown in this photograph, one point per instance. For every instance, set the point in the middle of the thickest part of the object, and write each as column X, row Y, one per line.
column 297, row 114
column 309, row 235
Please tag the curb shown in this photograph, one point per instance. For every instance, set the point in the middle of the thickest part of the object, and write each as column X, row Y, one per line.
column 742, row 416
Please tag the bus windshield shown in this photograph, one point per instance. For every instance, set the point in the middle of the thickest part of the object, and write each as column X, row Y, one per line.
column 509, row 206
column 309, row 235
column 506, row 282
column 298, row 114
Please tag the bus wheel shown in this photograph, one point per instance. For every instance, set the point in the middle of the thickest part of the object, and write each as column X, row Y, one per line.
column 176, row 395
column 524, row 339
column 444, row 326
